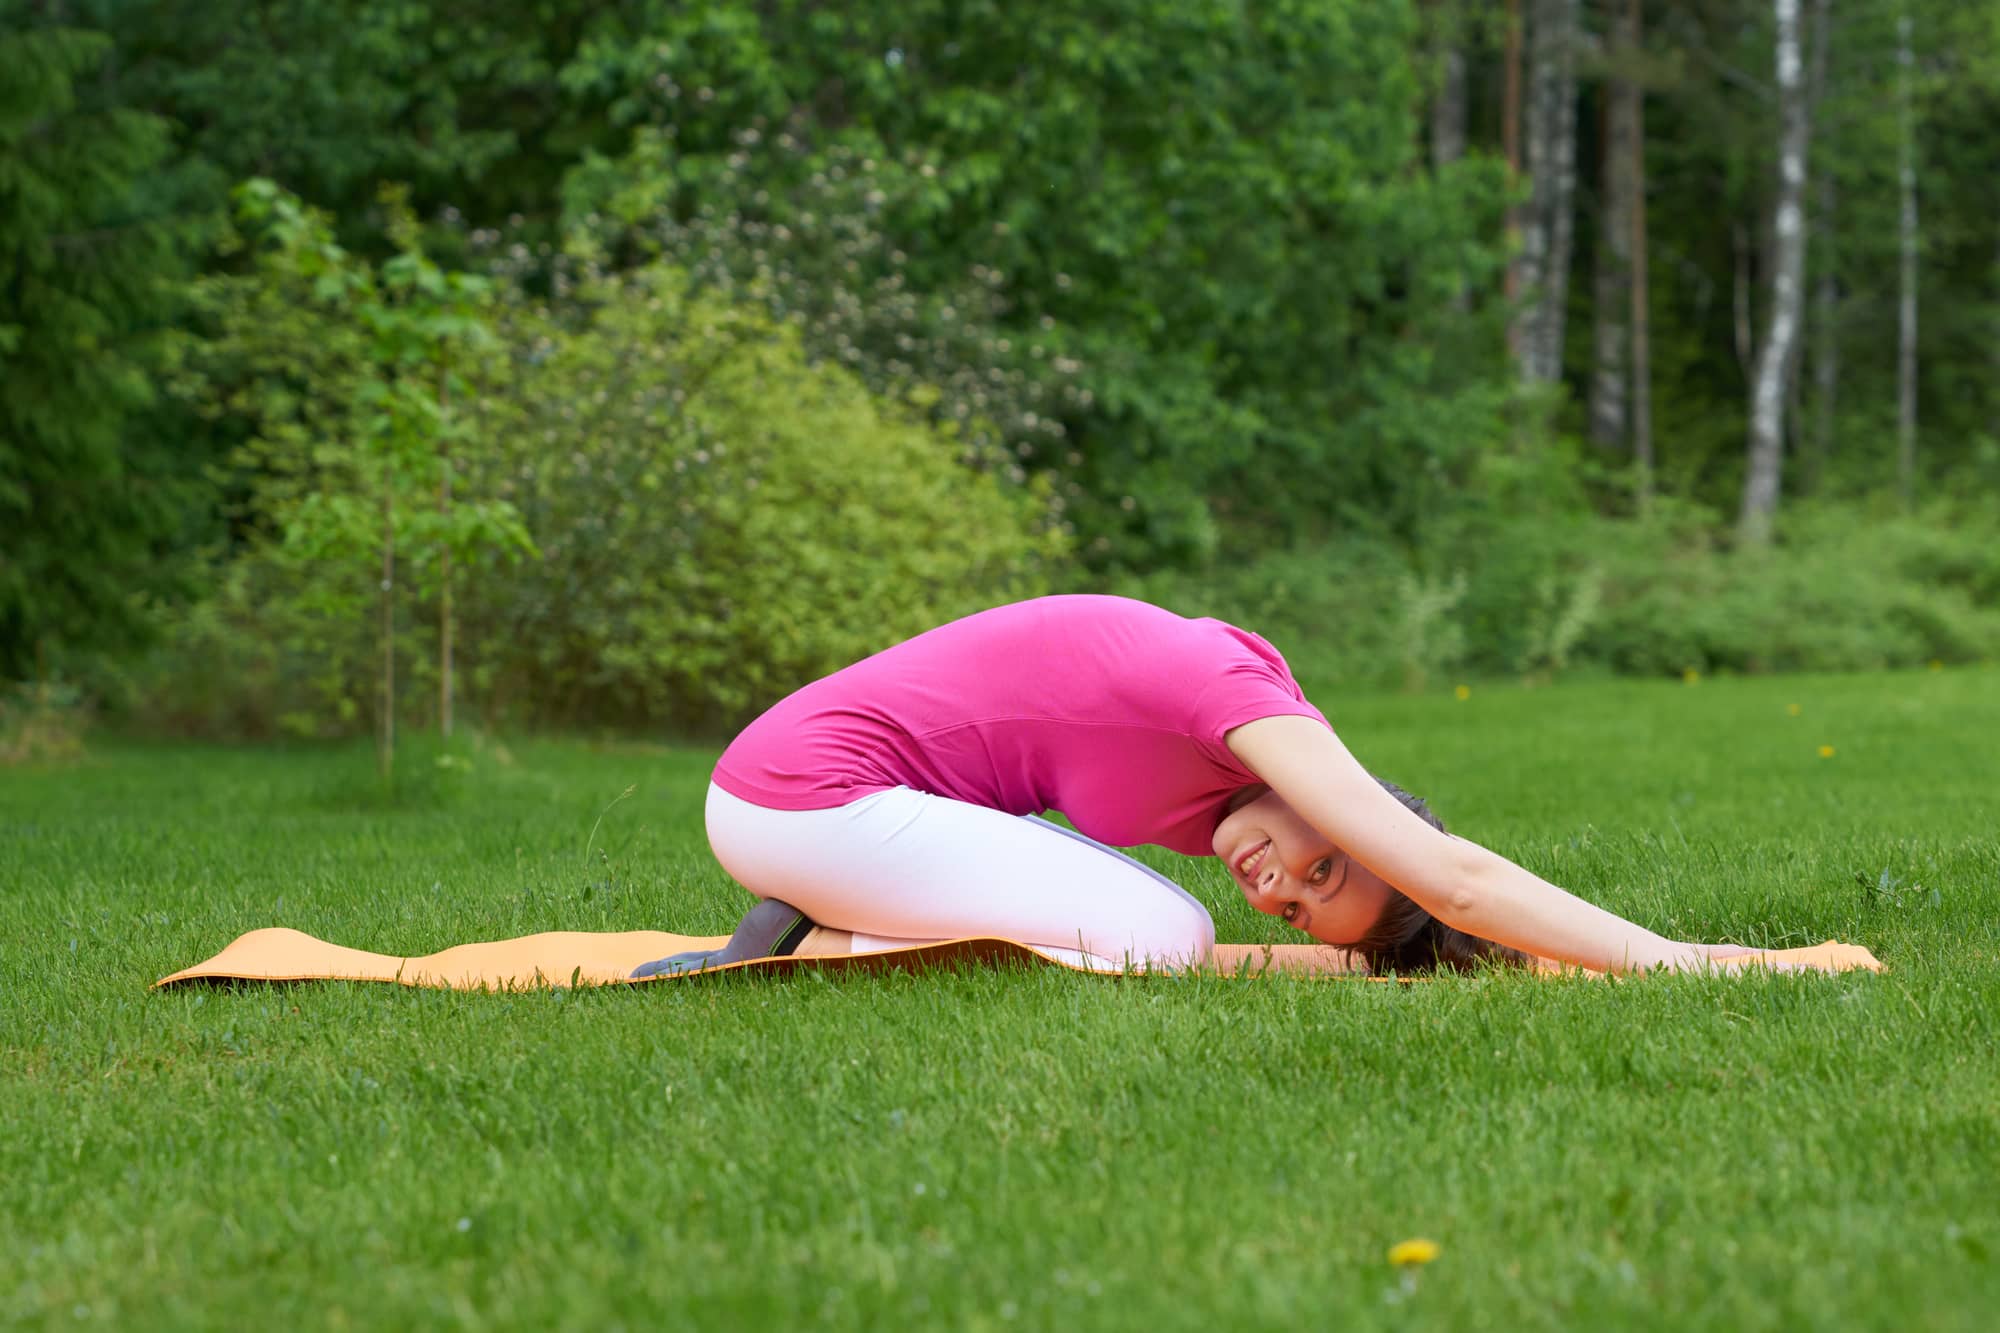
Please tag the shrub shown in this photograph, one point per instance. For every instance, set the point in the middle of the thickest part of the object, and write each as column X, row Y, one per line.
column 720, row 520
column 1843, row 588
column 1535, row 590
column 41, row 722
column 256, row 659
column 1348, row 611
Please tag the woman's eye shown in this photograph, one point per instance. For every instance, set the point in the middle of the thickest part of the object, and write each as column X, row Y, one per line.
column 1291, row 912
column 1322, row 871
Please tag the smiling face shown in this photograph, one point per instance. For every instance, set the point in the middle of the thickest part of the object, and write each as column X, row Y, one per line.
column 1288, row 869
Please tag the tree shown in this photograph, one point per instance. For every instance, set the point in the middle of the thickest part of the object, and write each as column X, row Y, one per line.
column 459, row 99
column 1510, row 152
column 1826, row 286
column 1551, row 163
column 1448, row 113
column 1639, row 296
column 1951, row 88
column 1907, row 240
column 1611, row 301
column 720, row 519
column 1779, row 344
column 87, row 506
column 382, row 486
column 1215, row 204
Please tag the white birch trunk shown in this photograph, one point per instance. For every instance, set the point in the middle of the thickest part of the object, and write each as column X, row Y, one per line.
column 1642, row 342
column 1761, row 481
column 1611, row 298
column 1739, row 300
column 1561, row 101
column 1551, row 163
column 1510, row 148
column 1906, row 227
column 1448, row 105
column 1826, row 292
column 1448, row 109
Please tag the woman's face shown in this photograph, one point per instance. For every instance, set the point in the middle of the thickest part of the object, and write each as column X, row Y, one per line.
column 1288, row 869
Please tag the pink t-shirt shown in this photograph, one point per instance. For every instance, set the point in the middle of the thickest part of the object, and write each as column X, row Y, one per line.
column 1109, row 710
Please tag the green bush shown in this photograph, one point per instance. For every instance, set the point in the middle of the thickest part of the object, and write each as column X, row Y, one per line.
column 256, row 659
column 1498, row 580
column 41, row 722
column 719, row 520
column 1349, row 611
column 1843, row 588
column 1535, row 589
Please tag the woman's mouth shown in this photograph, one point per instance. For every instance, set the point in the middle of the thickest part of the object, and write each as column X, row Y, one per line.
column 1247, row 866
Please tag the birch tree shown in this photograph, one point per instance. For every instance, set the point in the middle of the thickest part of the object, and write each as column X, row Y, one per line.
column 1448, row 102
column 1779, row 345
column 1906, row 236
column 1826, row 287
column 1642, row 343
column 1551, row 165
column 1448, row 111
column 1611, row 304
column 1510, row 149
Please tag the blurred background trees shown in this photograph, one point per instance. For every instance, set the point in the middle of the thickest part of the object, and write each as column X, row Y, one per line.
column 1518, row 337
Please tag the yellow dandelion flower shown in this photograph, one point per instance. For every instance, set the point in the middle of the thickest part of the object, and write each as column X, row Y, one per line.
column 1826, row 752
column 1792, row 710
column 1413, row 1251
column 1463, row 692
column 1936, row 665
column 1691, row 676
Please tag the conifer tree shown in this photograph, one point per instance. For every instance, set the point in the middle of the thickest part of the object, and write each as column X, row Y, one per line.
column 82, row 501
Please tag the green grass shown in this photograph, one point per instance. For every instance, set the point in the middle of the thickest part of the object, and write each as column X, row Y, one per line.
column 991, row 1149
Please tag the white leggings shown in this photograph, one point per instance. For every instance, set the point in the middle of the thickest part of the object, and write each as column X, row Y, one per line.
column 903, row 867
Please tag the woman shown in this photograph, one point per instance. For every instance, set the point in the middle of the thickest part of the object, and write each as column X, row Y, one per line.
column 884, row 806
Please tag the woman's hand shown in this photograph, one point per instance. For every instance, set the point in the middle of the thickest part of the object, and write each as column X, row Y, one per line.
column 1738, row 958
column 1722, row 950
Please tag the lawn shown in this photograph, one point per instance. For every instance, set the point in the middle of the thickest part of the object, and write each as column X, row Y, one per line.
column 1014, row 1148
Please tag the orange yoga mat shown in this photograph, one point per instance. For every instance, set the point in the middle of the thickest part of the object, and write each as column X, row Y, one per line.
column 571, row 958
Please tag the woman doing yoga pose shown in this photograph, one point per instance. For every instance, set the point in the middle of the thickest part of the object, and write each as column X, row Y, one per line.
column 894, row 803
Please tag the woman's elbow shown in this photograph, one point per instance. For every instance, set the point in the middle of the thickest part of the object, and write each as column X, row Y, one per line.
column 1471, row 883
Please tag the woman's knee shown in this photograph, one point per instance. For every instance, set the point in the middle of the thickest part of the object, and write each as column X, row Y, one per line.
column 1180, row 930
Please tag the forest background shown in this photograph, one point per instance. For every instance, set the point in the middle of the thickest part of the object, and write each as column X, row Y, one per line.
column 628, row 365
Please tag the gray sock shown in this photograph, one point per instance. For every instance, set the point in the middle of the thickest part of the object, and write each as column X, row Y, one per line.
column 771, row 929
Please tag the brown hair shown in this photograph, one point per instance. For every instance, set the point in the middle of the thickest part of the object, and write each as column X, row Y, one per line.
column 1406, row 938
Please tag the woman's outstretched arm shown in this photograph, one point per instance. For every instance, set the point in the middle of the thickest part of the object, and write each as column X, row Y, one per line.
column 1459, row 882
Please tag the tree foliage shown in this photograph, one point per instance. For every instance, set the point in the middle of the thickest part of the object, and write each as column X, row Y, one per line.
column 719, row 519
column 716, row 519
column 1169, row 295
column 87, row 505
column 1234, row 236
column 342, row 378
